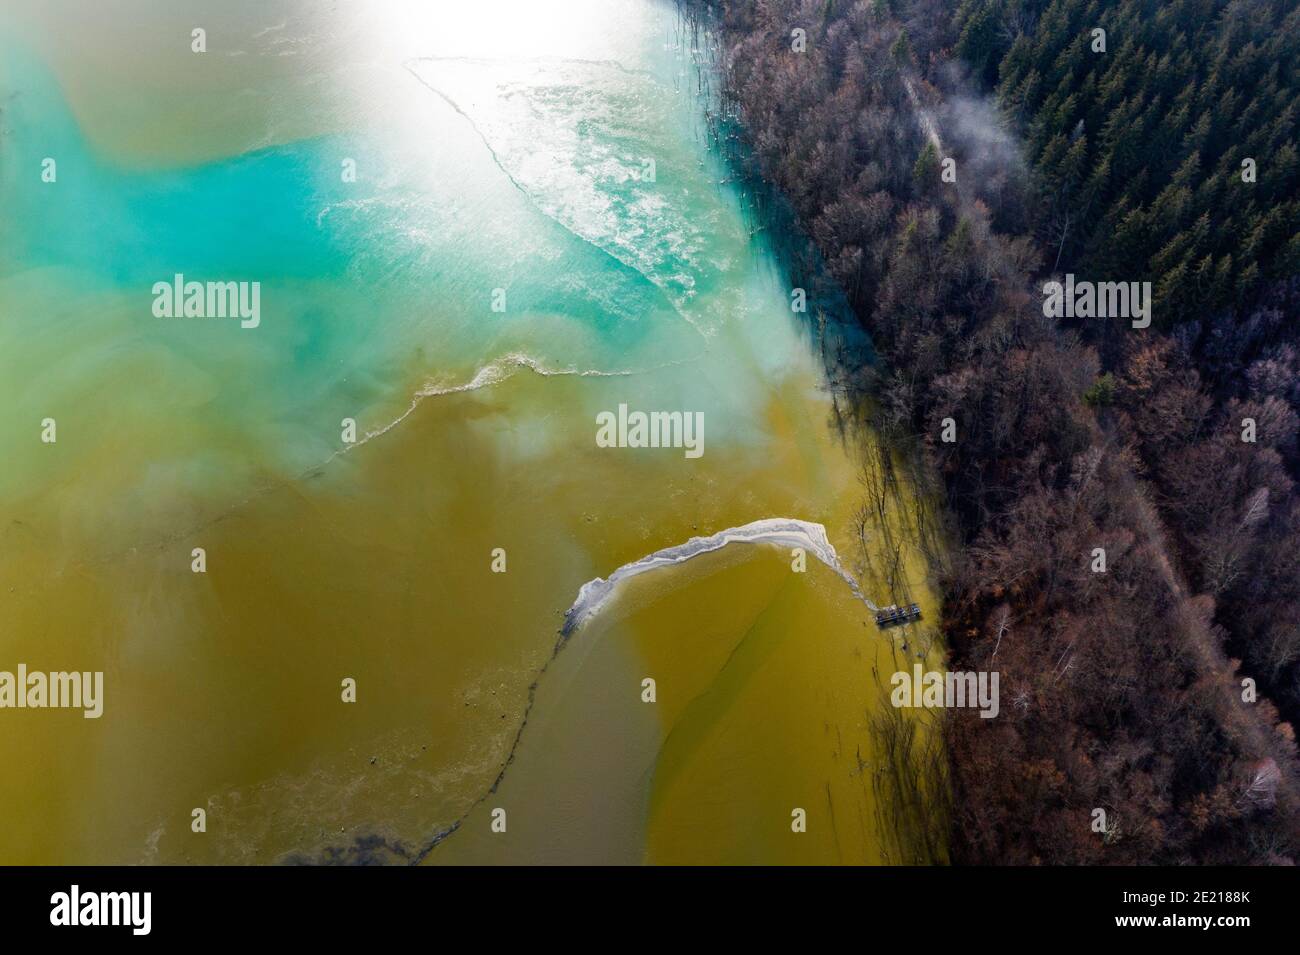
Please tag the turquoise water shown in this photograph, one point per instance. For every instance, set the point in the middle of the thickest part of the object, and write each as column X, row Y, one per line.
column 393, row 273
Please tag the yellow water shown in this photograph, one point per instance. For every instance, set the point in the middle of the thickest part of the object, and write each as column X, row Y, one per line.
column 223, row 690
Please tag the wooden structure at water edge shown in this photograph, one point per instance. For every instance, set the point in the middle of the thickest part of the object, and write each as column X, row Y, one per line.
column 894, row 614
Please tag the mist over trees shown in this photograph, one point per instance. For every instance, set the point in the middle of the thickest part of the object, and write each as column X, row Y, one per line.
column 1121, row 690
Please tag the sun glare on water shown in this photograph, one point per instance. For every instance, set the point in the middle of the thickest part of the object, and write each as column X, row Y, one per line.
column 497, row 29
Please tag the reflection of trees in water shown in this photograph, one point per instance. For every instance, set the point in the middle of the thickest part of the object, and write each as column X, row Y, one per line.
column 909, row 781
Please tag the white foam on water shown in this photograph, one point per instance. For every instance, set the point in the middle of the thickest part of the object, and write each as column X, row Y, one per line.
column 779, row 531
column 574, row 137
column 493, row 373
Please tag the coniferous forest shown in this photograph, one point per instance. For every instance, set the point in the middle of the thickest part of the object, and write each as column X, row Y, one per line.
column 941, row 162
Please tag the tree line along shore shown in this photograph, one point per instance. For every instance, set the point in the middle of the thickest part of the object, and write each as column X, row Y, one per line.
column 938, row 163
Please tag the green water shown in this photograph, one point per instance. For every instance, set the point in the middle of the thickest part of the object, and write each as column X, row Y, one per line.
column 501, row 152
